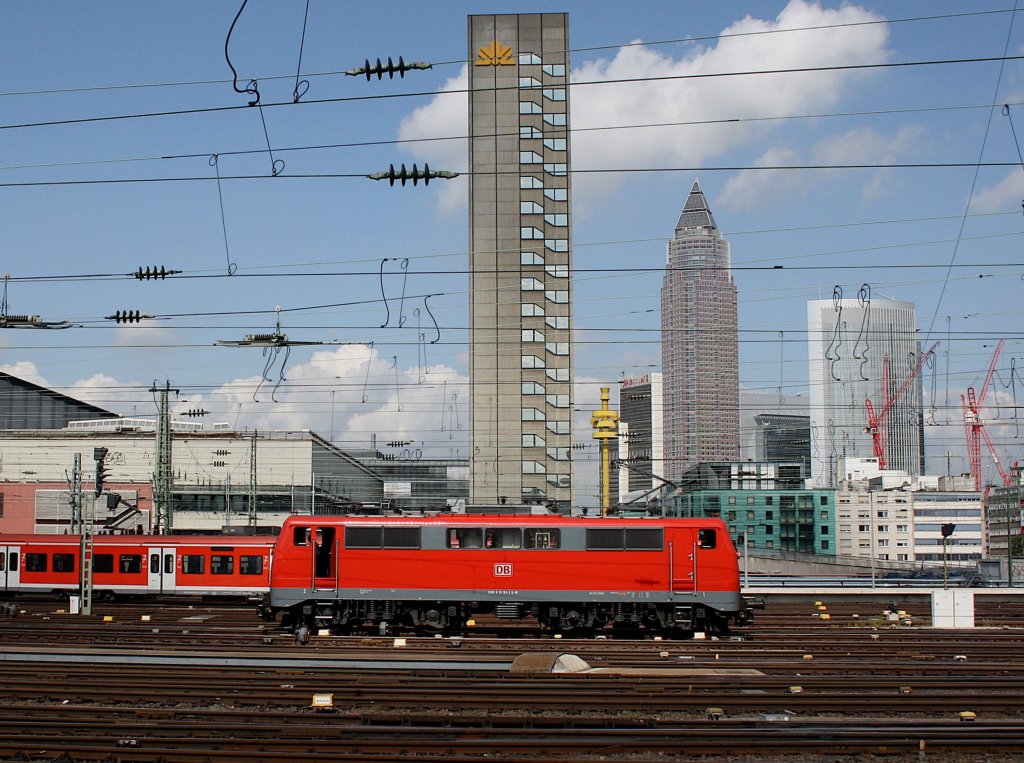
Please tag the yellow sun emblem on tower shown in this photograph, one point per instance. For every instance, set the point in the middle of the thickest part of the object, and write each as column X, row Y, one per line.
column 495, row 54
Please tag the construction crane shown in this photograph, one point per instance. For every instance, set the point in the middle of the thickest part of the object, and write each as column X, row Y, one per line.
column 878, row 423
column 974, row 427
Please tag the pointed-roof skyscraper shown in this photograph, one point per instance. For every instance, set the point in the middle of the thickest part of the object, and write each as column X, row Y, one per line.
column 699, row 341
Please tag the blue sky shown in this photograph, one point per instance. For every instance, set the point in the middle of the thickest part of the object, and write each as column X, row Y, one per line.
column 302, row 243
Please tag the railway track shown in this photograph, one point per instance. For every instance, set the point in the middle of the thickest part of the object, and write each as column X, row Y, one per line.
column 212, row 683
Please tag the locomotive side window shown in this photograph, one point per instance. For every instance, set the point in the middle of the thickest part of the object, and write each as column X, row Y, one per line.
column 193, row 564
column 300, row 536
column 221, row 564
column 503, row 537
column 465, row 537
column 644, row 540
column 63, row 563
column 35, row 562
column 543, row 537
column 361, row 536
column 250, row 565
column 707, row 538
column 604, row 539
column 131, row 563
column 402, row 537
column 103, row 563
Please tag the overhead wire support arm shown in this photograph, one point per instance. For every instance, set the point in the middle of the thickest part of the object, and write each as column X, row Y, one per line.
column 8, row 321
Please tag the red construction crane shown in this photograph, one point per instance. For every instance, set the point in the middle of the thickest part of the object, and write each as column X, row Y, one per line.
column 878, row 424
column 974, row 427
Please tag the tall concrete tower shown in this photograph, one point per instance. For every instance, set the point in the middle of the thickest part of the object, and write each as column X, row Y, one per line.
column 700, row 352
column 520, row 259
column 847, row 342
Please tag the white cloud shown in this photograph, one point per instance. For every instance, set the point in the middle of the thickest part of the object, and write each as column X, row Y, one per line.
column 26, row 371
column 656, row 100
column 858, row 146
column 1003, row 196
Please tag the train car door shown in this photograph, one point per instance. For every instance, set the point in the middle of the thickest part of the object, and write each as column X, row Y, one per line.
column 325, row 558
column 162, row 569
column 688, row 550
column 10, row 567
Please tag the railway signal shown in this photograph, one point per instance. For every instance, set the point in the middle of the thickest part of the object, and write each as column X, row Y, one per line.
column 100, row 455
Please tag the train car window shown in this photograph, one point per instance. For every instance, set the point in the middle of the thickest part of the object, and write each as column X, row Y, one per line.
column 401, row 537
column 465, row 537
column 250, row 565
column 193, row 564
column 707, row 538
column 361, row 536
column 154, row 563
column 12, row 563
column 63, row 563
column 168, row 563
column 35, row 562
column 221, row 564
column 131, row 563
column 3, row 562
column 103, row 563
column 542, row 537
column 301, row 536
column 645, row 539
column 604, row 539
column 503, row 537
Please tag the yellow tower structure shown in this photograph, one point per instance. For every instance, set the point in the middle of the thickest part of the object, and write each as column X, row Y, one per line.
column 606, row 428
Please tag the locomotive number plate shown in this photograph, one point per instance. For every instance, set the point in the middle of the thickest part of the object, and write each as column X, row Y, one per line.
column 503, row 570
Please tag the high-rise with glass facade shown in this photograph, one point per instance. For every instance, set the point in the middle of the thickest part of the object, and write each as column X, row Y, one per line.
column 700, row 354
column 520, row 291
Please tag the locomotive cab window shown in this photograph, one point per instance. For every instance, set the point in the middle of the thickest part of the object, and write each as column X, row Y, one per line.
column 707, row 538
column 35, row 562
column 301, row 536
column 543, row 537
column 103, row 563
column 465, row 537
column 63, row 563
column 131, row 563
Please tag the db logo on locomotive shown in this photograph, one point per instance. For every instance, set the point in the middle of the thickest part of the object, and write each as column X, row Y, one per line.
column 503, row 570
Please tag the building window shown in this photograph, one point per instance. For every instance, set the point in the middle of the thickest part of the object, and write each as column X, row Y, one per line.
column 557, row 120
column 530, row 258
column 557, row 348
column 824, row 545
column 529, row 182
column 555, row 93
column 533, row 467
column 530, row 208
column 530, row 335
column 824, row 515
column 769, row 515
column 557, row 244
column 529, row 233
column 528, row 82
column 558, row 454
column 559, row 220
column 557, row 271
column 528, row 309
column 532, row 361
column 558, row 322
column 768, row 500
column 750, row 514
column 824, row 529
column 555, row 144
column 530, row 284
column 558, row 297
column 532, row 388
column 529, row 107
column 557, row 194
column 558, row 401
column 530, row 157
column 558, row 169
column 526, row 59
column 533, row 441
column 558, row 374
column 769, row 530
column 554, row 70
column 730, row 516
column 533, row 414
column 558, row 427
column 824, row 500
column 526, row 133
column 750, row 500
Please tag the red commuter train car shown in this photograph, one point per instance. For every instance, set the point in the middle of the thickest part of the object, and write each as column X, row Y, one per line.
column 567, row 574
column 138, row 564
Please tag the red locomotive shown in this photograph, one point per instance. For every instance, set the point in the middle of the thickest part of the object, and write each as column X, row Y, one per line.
column 138, row 564
column 569, row 574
